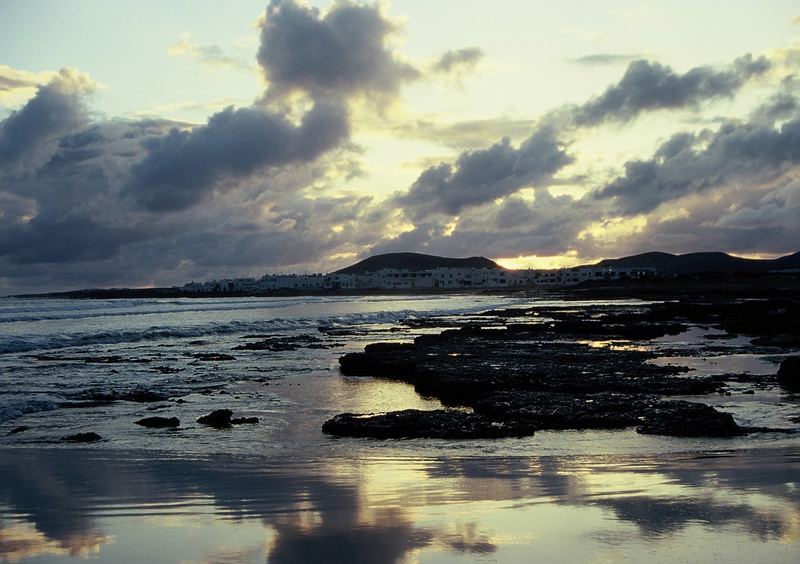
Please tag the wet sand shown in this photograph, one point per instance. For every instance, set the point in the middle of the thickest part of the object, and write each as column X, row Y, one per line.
column 126, row 506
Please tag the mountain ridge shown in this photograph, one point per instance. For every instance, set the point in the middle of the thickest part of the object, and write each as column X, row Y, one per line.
column 415, row 262
column 700, row 262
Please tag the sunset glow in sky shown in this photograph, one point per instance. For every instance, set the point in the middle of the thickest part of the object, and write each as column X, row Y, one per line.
column 146, row 142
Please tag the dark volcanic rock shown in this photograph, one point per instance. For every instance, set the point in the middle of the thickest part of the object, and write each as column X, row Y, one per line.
column 789, row 373
column 219, row 419
column 159, row 422
column 382, row 360
column 244, row 420
column 166, row 369
column 212, row 357
column 278, row 343
column 141, row 395
column 548, row 410
column 82, row 438
column 563, row 367
column 687, row 419
column 137, row 395
column 15, row 430
column 415, row 424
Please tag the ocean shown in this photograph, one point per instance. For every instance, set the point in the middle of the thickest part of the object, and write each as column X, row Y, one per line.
column 282, row 491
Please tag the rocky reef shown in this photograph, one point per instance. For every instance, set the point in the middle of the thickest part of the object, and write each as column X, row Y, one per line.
column 582, row 367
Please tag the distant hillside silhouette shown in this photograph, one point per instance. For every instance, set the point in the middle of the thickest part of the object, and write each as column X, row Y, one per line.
column 415, row 262
column 695, row 263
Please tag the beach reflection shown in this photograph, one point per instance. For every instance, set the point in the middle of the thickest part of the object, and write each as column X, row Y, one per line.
column 118, row 506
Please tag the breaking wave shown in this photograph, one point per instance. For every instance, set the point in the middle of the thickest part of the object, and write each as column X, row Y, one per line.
column 31, row 342
column 14, row 410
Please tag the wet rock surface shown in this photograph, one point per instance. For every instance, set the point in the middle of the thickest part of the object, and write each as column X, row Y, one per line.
column 687, row 419
column 213, row 357
column 219, row 419
column 136, row 395
column 159, row 422
column 415, row 423
column 82, row 438
column 278, row 343
column 244, row 420
column 527, row 369
column 789, row 373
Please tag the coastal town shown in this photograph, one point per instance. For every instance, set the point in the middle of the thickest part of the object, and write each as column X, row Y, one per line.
column 408, row 279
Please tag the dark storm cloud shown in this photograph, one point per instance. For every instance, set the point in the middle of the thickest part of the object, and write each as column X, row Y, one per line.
column 737, row 219
column 479, row 176
column 483, row 175
column 42, row 240
column 417, row 239
column 782, row 104
column 342, row 52
column 549, row 225
column 601, row 59
column 181, row 168
column 452, row 61
column 56, row 109
column 650, row 86
column 737, row 152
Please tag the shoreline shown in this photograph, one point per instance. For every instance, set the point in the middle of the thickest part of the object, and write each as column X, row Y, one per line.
column 730, row 284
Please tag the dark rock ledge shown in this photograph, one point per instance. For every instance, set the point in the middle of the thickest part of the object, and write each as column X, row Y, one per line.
column 523, row 377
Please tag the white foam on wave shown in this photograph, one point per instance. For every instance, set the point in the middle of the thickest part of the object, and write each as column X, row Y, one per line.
column 32, row 342
column 17, row 409
column 71, row 309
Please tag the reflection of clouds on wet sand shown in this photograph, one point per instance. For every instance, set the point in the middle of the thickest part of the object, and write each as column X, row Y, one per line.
column 757, row 492
column 21, row 540
column 228, row 508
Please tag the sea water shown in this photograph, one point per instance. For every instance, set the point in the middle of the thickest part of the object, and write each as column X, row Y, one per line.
column 282, row 491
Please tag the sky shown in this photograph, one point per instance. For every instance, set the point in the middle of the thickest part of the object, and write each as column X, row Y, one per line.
column 147, row 143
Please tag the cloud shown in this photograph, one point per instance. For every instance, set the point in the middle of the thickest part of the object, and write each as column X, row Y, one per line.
column 17, row 86
column 690, row 164
column 467, row 134
column 648, row 86
column 736, row 219
column 212, row 55
column 11, row 79
column 183, row 167
column 342, row 52
column 483, row 175
column 56, row 109
column 517, row 226
column 460, row 59
column 602, row 59
column 46, row 240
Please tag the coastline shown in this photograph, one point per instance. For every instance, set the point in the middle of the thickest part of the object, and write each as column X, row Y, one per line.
column 732, row 284
column 283, row 491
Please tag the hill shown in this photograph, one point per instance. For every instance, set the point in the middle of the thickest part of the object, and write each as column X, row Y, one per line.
column 695, row 263
column 415, row 262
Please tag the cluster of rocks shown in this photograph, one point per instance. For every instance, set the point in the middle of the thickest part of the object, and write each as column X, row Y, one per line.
column 279, row 343
column 538, row 369
column 223, row 419
column 219, row 419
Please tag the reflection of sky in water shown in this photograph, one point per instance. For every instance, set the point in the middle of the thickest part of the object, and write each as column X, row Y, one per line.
column 123, row 507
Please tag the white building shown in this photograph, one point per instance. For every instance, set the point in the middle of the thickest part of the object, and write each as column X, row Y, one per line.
column 271, row 282
column 403, row 279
